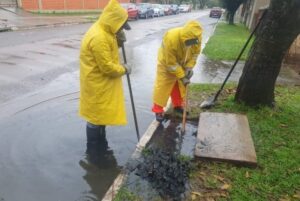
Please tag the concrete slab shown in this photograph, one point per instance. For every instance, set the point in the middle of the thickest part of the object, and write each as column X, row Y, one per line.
column 225, row 137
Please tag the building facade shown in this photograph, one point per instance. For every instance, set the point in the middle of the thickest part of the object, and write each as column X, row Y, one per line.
column 249, row 14
column 61, row 5
column 8, row 3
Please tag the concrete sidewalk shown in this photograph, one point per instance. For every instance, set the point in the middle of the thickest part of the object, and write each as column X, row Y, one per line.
column 18, row 19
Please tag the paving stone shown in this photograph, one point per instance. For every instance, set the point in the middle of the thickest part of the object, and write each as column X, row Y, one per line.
column 225, row 137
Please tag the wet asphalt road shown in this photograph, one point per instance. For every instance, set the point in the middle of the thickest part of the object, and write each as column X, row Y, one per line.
column 42, row 146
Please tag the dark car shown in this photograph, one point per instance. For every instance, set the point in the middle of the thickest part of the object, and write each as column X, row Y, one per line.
column 175, row 9
column 145, row 10
column 215, row 12
column 131, row 10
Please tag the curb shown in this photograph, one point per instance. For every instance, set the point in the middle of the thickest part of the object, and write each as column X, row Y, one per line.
column 15, row 28
column 5, row 29
column 117, row 183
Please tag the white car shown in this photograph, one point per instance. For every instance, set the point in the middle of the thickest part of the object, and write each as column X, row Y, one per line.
column 185, row 8
column 158, row 10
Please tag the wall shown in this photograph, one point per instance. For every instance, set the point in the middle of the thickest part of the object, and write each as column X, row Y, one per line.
column 249, row 11
column 257, row 4
column 8, row 2
column 65, row 4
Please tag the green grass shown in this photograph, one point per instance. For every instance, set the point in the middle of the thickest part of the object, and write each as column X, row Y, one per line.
column 276, row 136
column 227, row 42
column 125, row 195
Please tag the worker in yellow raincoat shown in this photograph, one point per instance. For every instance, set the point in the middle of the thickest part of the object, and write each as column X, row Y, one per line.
column 101, row 91
column 176, row 59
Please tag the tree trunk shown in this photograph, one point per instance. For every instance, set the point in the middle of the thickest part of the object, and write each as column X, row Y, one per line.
column 277, row 32
column 231, row 18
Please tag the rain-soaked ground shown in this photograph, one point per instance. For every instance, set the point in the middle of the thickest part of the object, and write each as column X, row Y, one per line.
column 42, row 146
column 162, row 173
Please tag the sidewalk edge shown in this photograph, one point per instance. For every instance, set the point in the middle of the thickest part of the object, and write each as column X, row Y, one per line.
column 117, row 183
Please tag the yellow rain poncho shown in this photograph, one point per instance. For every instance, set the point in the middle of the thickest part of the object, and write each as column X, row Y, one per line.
column 101, row 90
column 173, row 58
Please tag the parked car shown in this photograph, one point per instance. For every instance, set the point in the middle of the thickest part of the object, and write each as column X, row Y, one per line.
column 132, row 10
column 175, row 9
column 184, row 8
column 145, row 10
column 216, row 12
column 158, row 10
column 167, row 9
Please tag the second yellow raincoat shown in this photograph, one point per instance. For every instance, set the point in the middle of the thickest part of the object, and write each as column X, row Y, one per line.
column 101, row 90
column 173, row 58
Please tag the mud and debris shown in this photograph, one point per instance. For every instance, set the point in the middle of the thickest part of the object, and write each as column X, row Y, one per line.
column 167, row 172
column 162, row 171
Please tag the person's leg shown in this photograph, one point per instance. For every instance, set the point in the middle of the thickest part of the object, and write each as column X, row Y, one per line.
column 159, row 112
column 96, row 138
column 97, row 145
column 176, row 98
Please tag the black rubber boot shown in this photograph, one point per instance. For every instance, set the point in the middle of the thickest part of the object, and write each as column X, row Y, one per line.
column 96, row 140
column 159, row 117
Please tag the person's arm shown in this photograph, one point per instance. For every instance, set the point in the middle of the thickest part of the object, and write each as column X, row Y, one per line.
column 103, row 54
column 171, row 62
column 193, row 55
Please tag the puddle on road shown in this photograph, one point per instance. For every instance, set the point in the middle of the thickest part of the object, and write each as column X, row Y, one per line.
column 101, row 167
column 209, row 71
column 8, row 63
column 64, row 45
column 169, row 137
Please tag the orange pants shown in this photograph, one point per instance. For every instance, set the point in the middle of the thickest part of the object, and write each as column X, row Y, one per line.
column 175, row 97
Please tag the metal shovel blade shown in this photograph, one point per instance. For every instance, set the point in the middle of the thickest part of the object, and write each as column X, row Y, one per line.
column 208, row 103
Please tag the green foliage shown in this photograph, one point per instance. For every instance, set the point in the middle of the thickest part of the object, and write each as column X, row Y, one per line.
column 146, row 152
column 232, row 5
column 275, row 133
column 214, row 3
column 227, row 42
column 125, row 195
column 184, row 158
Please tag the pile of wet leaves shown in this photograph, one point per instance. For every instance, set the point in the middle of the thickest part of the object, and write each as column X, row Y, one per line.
column 166, row 172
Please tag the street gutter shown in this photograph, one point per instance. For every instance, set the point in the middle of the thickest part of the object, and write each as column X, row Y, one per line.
column 117, row 183
column 4, row 29
column 48, row 25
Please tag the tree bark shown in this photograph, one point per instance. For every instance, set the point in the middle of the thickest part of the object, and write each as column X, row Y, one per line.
column 276, row 34
column 231, row 7
column 231, row 18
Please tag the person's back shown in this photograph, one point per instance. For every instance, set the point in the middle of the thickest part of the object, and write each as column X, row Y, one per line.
column 100, row 70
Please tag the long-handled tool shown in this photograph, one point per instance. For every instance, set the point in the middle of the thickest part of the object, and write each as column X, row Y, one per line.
column 131, row 96
column 210, row 102
column 185, row 109
column 188, row 43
